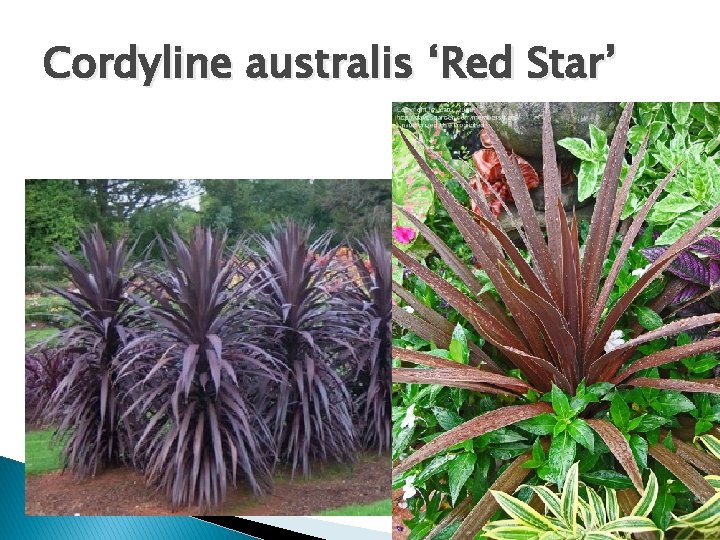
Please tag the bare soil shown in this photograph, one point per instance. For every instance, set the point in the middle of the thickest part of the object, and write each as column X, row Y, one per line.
column 123, row 491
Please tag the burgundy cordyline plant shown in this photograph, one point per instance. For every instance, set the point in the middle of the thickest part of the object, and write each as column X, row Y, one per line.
column 85, row 404
column 309, row 329
column 45, row 368
column 553, row 320
column 374, row 298
column 196, row 378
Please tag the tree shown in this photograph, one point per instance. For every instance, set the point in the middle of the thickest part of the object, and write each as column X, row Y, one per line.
column 350, row 207
column 51, row 208
column 111, row 203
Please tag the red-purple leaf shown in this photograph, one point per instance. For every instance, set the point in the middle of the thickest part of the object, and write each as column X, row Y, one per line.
column 701, row 385
column 628, row 239
column 658, row 266
column 666, row 356
column 606, row 366
column 462, row 371
column 482, row 321
column 600, row 224
column 484, row 423
column 699, row 459
column 686, row 265
column 619, row 447
column 709, row 246
column 536, row 240
column 508, row 481
column 689, row 291
column 683, row 472
column 459, row 378
column 551, row 181
column 554, row 326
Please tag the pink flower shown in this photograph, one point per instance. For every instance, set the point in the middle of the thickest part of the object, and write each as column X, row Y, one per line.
column 404, row 235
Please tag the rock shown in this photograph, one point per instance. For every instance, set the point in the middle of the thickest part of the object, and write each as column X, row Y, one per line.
column 519, row 125
column 568, row 194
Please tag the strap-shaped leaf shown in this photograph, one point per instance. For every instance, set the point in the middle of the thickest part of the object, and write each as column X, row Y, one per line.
column 649, row 496
column 630, row 525
column 440, row 338
column 708, row 463
column 627, row 242
column 712, row 443
column 447, row 255
column 482, row 321
column 447, row 376
column 551, row 183
column 421, row 310
column 477, row 197
column 569, row 497
column 701, row 385
column 683, row 471
column 508, row 482
column 526, row 272
column 486, row 251
column 707, row 515
column 571, row 275
column 484, row 423
column 667, row 356
column 607, row 364
column 540, row 372
column 600, row 224
column 620, row 449
column 522, row 512
column 536, row 240
column 625, row 190
column 451, row 380
column 650, row 274
column 551, row 322
column 460, row 269
column 549, row 499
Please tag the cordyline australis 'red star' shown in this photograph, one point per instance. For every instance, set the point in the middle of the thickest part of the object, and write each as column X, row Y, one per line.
column 549, row 323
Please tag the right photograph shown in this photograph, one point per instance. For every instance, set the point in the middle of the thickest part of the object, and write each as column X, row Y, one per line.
column 556, row 320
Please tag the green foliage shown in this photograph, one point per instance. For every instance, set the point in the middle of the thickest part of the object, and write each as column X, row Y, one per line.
column 347, row 207
column 572, row 516
column 50, row 219
column 411, row 190
column 48, row 309
column 687, row 134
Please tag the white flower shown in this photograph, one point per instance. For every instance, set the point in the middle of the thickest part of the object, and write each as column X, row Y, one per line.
column 640, row 271
column 614, row 341
column 408, row 491
column 409, row 309
column 409, row 420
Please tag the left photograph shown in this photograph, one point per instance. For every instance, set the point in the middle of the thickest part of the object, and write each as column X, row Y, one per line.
column 207, row 347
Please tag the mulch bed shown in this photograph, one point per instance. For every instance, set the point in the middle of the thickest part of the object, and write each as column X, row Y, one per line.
column 123, row 491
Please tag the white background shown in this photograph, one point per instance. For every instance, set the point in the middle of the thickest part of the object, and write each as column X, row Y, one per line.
column 311, row 128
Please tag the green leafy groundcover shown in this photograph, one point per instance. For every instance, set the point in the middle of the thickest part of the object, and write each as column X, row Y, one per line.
column 684, row 134
column 488, row 407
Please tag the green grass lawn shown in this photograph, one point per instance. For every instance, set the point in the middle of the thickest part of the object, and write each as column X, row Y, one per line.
column 41, row 455
column 378, row 508
column 35, row 336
